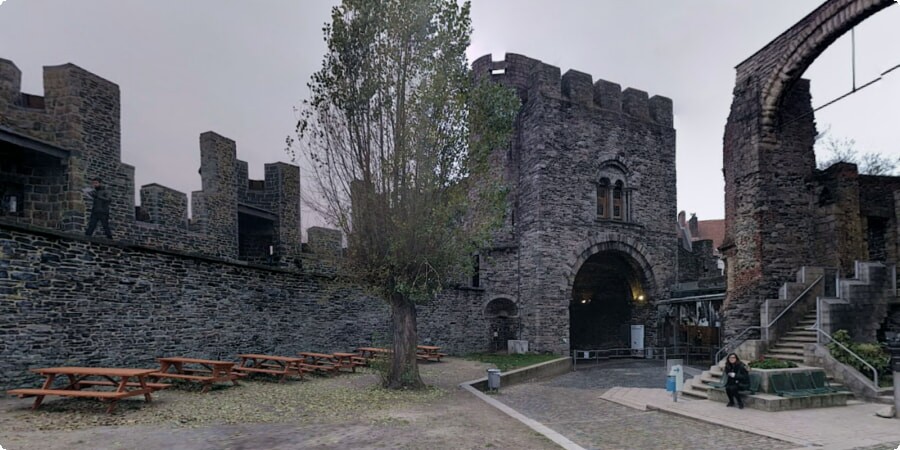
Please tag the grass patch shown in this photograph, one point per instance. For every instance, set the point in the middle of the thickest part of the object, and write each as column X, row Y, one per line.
column 509, row 362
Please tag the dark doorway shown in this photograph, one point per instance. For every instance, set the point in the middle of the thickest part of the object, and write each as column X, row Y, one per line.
column 875, row 238
column 256, row 239
column 603, row 295
column 503, row 320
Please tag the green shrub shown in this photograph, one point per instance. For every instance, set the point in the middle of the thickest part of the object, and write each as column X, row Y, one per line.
column 772, row 363
column 872, row 353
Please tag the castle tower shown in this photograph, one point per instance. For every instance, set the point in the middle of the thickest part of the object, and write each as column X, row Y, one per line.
column 591, row 173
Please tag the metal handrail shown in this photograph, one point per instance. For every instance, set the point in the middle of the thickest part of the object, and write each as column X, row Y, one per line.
column 727, row 347
column 813, row 284
column 874, row 372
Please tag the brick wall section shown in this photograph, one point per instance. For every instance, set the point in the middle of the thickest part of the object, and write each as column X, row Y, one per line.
column 838, row 228
column 325, row 241
column 284, row 182
column 698, row 263
column 215, row 207
column 571, row 131
column 66, row 300
column 164, row 206
column 768, row 156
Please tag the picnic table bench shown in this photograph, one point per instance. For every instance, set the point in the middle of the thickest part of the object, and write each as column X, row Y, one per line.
column 429, row 353
column 349, row 360
column 209, row 373
column 369, row 353
column 273, row 365
column 320, row 362
column 77, row 380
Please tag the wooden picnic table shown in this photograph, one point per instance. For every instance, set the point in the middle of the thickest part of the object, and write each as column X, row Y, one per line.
column 78, row 379
column 272, row 365
column 209, row 373
column 372, row 352
column 321, row 362
column 429, row 353
column 350, row 360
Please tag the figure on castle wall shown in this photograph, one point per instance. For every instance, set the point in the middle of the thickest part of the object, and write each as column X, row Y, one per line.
column 100, row 210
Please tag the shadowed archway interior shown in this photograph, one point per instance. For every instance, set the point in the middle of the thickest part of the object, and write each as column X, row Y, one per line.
column 603, row 296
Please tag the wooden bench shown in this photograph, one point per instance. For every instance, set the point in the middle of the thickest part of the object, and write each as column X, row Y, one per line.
column 271, row 365
column 349, row 360
column 320, row 362
column 77, row 378
column 22, row 393
column 154, row 386
column 429, row 353
column 209, row 371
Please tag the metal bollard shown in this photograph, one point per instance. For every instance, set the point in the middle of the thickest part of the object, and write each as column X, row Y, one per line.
column 894, row 348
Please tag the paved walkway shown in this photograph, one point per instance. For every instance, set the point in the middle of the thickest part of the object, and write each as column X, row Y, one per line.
column 847, row 427
column 620, row 405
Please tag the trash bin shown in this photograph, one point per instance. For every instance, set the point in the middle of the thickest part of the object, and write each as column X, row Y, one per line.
column 670, row 383
column 494, row 379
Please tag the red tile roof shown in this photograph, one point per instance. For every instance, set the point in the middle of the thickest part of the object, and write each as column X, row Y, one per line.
column 711, row 229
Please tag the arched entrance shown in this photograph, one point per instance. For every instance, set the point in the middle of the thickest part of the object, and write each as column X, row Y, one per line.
column 605, row 292
column 503, row 319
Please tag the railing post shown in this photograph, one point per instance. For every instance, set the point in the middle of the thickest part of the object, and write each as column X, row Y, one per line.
column 818, row 319
column 895, row 367
column 766, row 339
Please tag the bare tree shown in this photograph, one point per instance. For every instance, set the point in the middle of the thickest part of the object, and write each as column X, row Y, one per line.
column 399, row 137
column 843, row 150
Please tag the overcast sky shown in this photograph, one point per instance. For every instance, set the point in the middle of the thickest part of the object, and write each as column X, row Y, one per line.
column 239, row 67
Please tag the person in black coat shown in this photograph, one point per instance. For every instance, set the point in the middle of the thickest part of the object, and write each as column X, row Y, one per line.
column 737, row 378
column 100, row 208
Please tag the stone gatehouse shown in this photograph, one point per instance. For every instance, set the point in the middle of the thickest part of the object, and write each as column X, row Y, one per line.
column 589, row 243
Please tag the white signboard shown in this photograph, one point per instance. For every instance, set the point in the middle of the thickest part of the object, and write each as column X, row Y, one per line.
column 637, row 337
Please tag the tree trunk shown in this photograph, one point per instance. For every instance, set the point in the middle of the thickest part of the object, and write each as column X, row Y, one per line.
column 404, row 371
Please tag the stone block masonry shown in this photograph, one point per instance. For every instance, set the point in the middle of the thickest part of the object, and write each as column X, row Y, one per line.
column 574, row 134
column 65, row 300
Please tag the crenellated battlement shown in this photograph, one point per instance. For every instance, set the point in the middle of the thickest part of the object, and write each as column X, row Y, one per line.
column 528, row 75
column 72, row 134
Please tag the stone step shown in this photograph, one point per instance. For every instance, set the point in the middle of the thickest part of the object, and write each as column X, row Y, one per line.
column 691, row 390
column 800, row 333
column 798, row 339
column 780, row 349
column 786, row 356
column 790, row 344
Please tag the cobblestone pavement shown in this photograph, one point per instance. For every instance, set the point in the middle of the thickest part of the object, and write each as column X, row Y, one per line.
column 571, row 405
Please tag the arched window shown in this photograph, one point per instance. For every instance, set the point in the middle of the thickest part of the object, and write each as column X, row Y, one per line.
column 618, row 202
column 603, row 199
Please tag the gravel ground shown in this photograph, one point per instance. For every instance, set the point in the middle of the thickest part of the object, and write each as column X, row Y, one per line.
column 347, row 411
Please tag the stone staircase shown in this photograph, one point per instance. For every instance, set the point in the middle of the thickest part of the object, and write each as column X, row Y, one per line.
column 791, row 346
column 698, row 386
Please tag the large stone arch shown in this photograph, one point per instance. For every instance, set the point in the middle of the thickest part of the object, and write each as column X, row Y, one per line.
column 769, row 161
column 609, row 242
column 803, row 43
column 609, row 285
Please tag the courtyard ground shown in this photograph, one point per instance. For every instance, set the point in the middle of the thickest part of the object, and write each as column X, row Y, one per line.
column 347, row 411
column 350, row 411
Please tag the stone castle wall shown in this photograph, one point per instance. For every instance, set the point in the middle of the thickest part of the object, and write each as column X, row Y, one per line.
column 71, row 301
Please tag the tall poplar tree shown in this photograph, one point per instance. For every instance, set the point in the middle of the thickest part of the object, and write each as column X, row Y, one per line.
column 399, row 135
